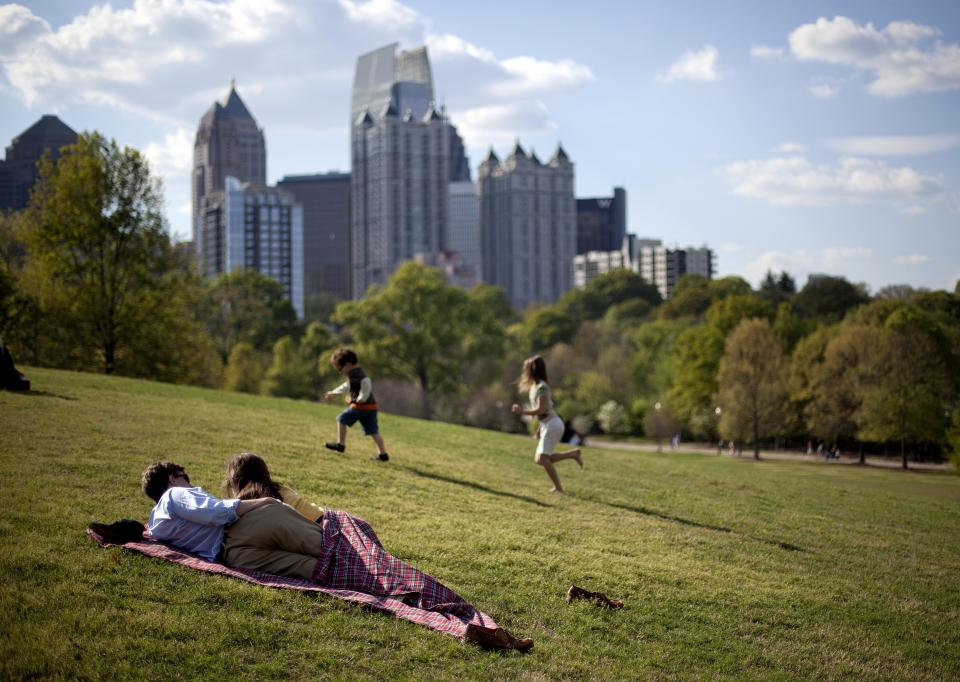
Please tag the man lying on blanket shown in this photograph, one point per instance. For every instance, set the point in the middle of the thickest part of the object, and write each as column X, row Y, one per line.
column 337, row 550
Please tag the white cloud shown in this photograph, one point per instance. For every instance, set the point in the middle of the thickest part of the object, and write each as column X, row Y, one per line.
column 695, row 66
column 824, row 90
column 795, row 181
column 891, row 145
column 914, row 209
column 765, row 52
column 913, row 259
column 172, row 157
column 501, row 124
column 802, row 262
column 387, row 13
column 521, row 76
column 898, row 56
column 791, row 148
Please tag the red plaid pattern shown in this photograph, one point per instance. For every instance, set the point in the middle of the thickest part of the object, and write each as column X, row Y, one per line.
column 354, row 567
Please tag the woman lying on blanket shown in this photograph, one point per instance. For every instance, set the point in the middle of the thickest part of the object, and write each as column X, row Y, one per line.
column 350, row 557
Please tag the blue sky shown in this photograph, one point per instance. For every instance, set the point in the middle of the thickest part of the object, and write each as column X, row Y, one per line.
column 799, row 136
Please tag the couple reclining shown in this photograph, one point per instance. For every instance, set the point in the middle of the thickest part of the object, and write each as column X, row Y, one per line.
column 266, row 526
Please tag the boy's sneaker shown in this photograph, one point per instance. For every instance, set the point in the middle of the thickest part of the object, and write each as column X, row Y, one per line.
column 339, row 447
column 383, row 457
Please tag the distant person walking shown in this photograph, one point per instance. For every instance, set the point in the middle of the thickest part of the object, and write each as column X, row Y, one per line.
column 363, row 406
column 533, row 379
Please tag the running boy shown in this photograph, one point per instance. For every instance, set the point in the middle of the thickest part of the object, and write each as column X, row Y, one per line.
column 363, row 406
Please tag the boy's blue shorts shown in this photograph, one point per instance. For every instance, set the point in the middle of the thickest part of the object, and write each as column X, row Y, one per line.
column 367, row 419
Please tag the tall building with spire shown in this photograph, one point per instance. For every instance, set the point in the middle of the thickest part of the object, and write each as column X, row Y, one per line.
column 404, row 154
column 528, row 225
column 229, row 143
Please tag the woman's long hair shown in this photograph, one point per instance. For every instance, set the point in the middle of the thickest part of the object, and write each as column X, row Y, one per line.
column 534, row 371
column 248, row 478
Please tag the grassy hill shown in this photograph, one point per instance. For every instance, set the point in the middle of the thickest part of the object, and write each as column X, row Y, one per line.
column 729, row 568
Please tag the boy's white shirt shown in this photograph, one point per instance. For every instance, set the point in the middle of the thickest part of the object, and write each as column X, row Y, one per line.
column 366, row 388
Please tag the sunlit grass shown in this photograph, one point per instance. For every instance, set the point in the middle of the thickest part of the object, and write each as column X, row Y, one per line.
column 729, row 568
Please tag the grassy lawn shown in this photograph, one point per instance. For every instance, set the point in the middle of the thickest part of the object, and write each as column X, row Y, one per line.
column 729, row 568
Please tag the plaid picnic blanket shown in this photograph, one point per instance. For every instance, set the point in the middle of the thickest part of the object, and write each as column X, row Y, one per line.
column 356, row 568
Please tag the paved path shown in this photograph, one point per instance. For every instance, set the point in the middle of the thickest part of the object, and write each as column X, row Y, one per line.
column 786, row 455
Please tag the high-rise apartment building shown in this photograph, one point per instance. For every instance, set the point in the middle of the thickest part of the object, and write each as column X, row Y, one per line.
column 18, row 172
column 250, row 226
column 528, row 225
column 401, row 165
column 229, row 143
column 463, row 231
column 587, row 266
column 602, row 222
column 325, row 199
column 662, row 267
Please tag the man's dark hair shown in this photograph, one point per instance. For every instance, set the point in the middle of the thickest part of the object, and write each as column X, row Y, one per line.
column 156, row 478
column 343, row 356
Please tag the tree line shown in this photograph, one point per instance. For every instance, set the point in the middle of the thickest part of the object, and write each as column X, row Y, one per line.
column 90, row 280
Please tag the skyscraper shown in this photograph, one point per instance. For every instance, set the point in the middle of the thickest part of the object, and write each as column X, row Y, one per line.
column 398, row 190
column 248, row 226
column 18, row 172
column 326, row 230
column 228, row 142
column 463, row 234
column 528, row 225
column 602, row 222
column 404, row 153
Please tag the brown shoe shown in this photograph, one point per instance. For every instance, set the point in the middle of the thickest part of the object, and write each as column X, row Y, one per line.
column 496, row 639
column 598, row 598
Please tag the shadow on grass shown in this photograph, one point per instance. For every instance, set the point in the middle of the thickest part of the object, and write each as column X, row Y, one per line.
column 43, row 394
column 696, row 524
column 666, row 517
column 473, row 486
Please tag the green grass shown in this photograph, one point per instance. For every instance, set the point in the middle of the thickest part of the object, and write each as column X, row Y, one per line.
column 729, row 568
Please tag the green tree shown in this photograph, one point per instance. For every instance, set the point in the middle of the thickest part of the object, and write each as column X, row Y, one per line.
column 288, row 375
column 249, row 307
column 690, row 298
column 628, row 313
column 727, row 312
column 97, row 243
column 752, row 383
column 419, row 328
column 828, row 298
column 905, row 389
column 547, row 326
column 244, row 370
column 495, row 300
column 777, row 289
column 789, row 327
column 651, row 365
column 606, row 290
column 319, row 307
column 658, row 422
column 696, row 359
column 836, row 389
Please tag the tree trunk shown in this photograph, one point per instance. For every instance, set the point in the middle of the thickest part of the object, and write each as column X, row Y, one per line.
column 903, row 452
column 756, row 438
column 426, row 410
column 109, row 357
column 863, row 455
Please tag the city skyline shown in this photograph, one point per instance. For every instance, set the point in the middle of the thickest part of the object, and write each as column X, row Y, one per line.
column 813, row 138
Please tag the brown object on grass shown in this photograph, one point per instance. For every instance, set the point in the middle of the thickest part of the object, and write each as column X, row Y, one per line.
column 496, row 639
column 598, row 598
